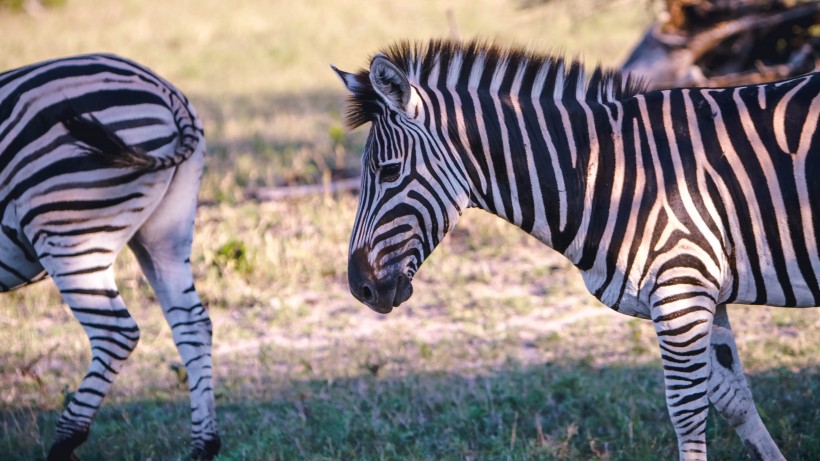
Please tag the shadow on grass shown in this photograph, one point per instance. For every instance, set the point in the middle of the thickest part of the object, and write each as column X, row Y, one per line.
column 271, row 123
column 569, row 411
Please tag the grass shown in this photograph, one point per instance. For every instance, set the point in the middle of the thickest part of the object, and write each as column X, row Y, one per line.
column 501, row 353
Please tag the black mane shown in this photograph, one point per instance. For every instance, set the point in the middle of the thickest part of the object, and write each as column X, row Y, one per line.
column 418, row 59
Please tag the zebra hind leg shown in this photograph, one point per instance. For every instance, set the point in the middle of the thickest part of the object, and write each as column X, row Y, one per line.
column 93, row 297
column 730, row 394
column 169, row 273
column 163, row 247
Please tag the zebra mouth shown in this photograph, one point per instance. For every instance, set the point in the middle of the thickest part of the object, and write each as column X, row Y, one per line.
column 380, row 295
column 383, row 297
column 404, row 290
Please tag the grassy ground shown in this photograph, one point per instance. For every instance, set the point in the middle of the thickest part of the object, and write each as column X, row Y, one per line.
column 501, row 353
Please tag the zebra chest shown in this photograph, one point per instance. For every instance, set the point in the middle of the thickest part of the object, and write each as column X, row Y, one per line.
column 618, row 291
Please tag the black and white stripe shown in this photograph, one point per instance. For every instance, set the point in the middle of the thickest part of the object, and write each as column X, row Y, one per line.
column 671, row 203
column 97, row 152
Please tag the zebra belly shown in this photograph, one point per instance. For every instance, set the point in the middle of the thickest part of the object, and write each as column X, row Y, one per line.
column 18, row 266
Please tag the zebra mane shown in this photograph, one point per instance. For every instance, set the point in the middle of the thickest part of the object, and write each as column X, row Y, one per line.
column 453, row 60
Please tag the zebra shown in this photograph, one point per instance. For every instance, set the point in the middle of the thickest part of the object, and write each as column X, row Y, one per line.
column 96, row 152
column 672, row 204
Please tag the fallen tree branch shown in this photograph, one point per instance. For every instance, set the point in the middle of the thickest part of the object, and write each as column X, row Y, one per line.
column 704, row 42
column 801, row 63
column 761, row 42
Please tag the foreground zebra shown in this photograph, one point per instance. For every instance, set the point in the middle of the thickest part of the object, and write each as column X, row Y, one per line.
column 672, row 204
column 96, row 152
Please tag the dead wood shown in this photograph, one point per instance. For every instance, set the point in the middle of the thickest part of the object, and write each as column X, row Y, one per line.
column 728, row 42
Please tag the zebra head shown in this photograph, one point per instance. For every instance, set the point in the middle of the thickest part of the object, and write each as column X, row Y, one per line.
column 413, row 189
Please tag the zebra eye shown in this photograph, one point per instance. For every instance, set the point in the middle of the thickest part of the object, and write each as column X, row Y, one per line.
column 389, row 172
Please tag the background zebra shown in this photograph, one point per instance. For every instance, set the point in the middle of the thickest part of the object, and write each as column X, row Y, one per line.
column 671, row 203
column 96, row 152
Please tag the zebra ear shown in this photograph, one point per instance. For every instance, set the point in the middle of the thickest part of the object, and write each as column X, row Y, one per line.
column 390, row 82
column 350, row 81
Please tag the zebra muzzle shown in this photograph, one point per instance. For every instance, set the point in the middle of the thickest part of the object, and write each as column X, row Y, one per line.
column 380, row 295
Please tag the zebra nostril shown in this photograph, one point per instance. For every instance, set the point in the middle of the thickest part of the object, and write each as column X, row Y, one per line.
column 367, row 293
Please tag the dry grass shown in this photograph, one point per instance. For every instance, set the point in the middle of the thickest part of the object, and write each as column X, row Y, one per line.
column 501, row 353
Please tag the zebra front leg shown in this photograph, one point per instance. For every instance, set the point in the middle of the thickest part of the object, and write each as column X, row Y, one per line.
column 683, row 324
column 169, row 273
column 113, row 334
column 730, row 394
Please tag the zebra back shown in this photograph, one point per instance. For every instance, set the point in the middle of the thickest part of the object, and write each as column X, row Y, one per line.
column 62, row 91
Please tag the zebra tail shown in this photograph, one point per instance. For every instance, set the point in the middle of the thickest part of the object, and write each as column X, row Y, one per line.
column 101, row 141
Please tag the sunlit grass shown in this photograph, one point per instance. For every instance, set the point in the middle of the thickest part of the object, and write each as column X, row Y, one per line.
column 489, row 342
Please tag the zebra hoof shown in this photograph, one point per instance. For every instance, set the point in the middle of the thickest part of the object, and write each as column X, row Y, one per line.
column 63, row 450
column 208, row 450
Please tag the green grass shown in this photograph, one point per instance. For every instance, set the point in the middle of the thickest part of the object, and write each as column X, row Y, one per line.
column 500, row 354
column 557, row 410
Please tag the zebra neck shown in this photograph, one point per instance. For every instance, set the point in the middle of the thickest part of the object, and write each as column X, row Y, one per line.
column 537, row 164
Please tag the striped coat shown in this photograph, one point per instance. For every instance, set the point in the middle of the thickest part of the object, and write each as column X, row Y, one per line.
column 671, row 204
column 97, row 152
